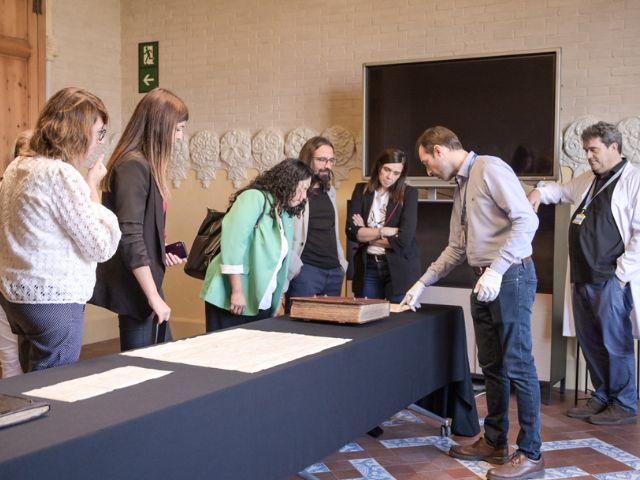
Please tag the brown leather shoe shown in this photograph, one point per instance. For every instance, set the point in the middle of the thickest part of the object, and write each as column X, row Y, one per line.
column 519, row 467
column 480, row 450
column 592, row 407
column 614, row 414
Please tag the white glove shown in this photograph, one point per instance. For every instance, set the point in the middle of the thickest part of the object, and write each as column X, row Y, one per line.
column 412, row 297
column 488, row 286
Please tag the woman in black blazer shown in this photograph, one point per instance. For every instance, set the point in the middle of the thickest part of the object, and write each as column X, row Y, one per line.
column 136, row 190
column 382, row 220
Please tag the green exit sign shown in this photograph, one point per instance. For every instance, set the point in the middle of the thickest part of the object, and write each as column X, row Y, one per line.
column 148, row 66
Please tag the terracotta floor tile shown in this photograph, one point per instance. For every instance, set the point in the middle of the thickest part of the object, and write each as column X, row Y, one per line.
column 353, row 473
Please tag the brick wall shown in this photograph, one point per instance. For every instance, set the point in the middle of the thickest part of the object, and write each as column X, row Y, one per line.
column 85, row 41
column 288, row 63
column 284, row 63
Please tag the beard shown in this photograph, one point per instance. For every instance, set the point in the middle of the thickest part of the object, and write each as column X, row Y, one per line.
column 323, row 178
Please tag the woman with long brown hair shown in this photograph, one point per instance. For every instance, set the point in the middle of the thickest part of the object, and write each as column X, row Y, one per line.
column 382, row 219
column 136, row 189
column 53, row 230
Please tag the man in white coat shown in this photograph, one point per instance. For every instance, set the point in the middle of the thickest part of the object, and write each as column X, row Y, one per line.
column 604, row 254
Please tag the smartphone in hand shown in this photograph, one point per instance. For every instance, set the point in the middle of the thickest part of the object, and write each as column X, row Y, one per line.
column 179, row 249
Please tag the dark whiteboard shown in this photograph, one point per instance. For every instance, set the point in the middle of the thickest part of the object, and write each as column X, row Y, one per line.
column 503, row 105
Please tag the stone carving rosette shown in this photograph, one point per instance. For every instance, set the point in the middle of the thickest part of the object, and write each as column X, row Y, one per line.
column 267, row 146
column 179, row 163
column 572, row 154
column 630, row 129
column 295, row 139
column 205, row 156
column 344, row 151
column 235, row 153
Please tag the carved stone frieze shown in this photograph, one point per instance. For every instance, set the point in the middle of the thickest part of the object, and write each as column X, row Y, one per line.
column 572, row 154
column 179, row 163
column 205, row 156
column 235, row 152
column 295, row 139
column 630, row 129
column 344, row 145
column 267, row 146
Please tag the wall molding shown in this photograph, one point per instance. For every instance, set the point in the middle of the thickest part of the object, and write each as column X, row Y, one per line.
column 237, row 151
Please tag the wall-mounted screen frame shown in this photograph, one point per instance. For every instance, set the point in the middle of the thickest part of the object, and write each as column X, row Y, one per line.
column 505, row 105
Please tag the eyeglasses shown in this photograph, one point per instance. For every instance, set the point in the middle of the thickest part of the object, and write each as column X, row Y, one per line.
column 101, row 133
column 325, row 160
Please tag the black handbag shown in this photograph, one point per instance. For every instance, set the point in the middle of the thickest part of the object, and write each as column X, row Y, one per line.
column 206, row 245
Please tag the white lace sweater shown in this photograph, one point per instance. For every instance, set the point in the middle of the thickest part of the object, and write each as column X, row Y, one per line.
column 51, row 233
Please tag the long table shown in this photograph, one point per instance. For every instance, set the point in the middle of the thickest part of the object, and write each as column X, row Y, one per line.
column 210, row 423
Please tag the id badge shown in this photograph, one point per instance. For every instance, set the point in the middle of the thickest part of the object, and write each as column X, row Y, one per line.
column 579, row 218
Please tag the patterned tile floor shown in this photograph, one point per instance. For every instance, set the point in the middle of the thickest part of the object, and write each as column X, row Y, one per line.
column 411, row 448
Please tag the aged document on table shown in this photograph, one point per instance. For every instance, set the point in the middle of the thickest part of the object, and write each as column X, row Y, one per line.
column 239, row 349
column 97, row 384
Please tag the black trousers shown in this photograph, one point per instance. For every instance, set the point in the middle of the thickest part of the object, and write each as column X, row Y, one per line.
column 219, row 318
column 137, row 333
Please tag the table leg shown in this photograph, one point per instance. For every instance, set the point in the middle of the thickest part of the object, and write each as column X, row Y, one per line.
column 445, row 423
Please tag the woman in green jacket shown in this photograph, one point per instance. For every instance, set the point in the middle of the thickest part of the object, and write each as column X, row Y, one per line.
column 245, row 281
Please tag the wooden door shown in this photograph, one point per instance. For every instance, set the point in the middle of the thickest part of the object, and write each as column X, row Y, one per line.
column 22, row 74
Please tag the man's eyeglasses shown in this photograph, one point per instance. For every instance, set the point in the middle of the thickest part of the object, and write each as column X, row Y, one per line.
column 101, row 133
column 325, row 160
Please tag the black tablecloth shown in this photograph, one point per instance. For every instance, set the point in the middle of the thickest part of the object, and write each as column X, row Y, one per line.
column 210, row 423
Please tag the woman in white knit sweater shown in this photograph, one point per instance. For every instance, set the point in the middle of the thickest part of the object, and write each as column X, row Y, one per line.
column 53, row 230
column 9, row 360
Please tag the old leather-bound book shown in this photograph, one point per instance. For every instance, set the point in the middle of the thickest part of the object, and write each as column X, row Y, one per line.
column 339, row 309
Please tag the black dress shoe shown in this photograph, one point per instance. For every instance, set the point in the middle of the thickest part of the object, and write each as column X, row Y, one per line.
column 375, row 432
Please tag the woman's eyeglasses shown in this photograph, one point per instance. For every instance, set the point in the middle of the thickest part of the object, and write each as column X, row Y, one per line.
column 101, row 133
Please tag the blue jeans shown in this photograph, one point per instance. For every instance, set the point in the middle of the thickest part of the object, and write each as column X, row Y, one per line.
column 503, row 336
column 315, row 281
column 601, row 311
column 138, row 333
column 377, row 280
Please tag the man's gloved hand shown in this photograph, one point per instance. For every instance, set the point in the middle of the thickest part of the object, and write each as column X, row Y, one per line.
column 412, row 297
column 488, row 286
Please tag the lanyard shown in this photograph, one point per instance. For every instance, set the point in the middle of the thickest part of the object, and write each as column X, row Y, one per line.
column 590, row 197
column 463, row 210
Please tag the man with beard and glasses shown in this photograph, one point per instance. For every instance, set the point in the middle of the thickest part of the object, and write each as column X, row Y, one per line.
column 317, row 264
